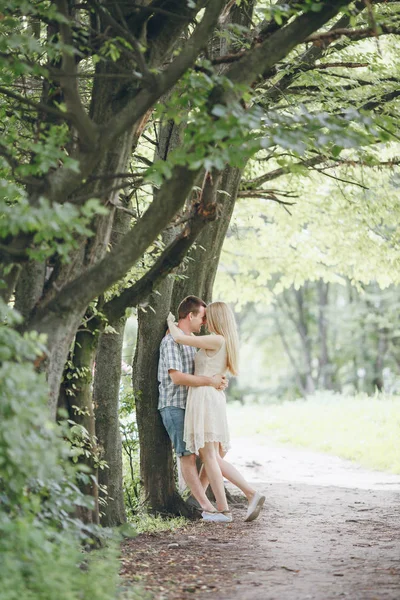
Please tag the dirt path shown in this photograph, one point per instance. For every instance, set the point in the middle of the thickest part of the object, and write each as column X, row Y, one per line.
column 329, row 530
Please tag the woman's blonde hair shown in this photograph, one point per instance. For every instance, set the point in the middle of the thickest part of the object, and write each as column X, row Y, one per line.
column 220, row 319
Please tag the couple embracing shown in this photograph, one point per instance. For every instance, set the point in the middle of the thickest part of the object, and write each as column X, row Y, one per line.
column 192, row 379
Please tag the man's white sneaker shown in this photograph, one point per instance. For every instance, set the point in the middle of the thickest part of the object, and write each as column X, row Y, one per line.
column 216, row 517
column 255, row 505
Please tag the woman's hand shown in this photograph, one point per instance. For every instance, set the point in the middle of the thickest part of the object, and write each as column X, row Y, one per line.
column 170, row 318
column 173, row 329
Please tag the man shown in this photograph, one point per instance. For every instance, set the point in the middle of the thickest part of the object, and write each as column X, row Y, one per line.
column 175, row 374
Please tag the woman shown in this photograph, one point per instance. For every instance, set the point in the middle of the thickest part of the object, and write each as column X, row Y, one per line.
column 206, row 427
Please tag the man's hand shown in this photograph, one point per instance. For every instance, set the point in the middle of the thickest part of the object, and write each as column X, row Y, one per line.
column 219, row 382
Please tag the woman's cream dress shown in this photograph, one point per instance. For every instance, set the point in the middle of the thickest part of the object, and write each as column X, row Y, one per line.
column 205, row 416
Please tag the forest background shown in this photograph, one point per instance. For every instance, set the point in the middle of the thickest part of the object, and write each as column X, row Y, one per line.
column 143, row 145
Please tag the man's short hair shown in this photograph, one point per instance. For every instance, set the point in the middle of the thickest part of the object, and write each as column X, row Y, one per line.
column 188, row 305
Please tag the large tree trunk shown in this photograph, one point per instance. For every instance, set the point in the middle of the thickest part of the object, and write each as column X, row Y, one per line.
column 109, row 96
column 61, row 336
column 107, row 380
column 81, row 411
column 156, row 460
column 61, row 340
column 106, row 394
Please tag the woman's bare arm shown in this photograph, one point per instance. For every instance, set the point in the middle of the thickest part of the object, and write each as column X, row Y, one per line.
column 207, row 342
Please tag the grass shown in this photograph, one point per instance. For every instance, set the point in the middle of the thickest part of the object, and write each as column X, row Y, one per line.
column 360, row 428
column 145, row 523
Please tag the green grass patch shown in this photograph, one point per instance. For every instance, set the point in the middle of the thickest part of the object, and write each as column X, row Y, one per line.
column 360, row 428
column 145, row 523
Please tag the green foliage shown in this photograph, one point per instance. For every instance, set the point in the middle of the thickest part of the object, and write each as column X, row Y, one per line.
column 54, row 228
column 233, row 133
column 130, row 446
column 40, row 536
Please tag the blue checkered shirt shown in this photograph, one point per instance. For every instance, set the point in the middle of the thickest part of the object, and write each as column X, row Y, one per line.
column 178, row 357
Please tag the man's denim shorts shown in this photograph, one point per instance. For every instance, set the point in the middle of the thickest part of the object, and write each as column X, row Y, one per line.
column 174, row 419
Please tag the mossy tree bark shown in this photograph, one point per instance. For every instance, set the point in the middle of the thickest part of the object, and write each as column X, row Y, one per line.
column 80, row 408
column 106, row 390
column 106, row 403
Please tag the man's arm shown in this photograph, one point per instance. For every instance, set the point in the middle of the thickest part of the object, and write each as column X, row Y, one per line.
column 216, row 381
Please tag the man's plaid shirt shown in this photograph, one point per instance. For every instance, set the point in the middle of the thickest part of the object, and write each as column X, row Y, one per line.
column 178, row 357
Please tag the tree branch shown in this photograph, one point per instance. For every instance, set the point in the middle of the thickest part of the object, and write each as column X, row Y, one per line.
column 266, row 194
column 364, row 187
column 87, row 129
column 171, row 258
column 38, row 106
column 169, row 199
column 166, row 79
column 124, row 31
column 327, row 37
column 265, row 55
column 255, row 183
column 334, row 65
column 388, row 97
column 306, row 59
column 63, row 182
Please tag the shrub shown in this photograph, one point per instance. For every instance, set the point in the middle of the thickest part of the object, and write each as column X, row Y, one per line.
column 40, row 538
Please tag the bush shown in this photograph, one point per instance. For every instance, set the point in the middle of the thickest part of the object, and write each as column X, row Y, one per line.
column 40, row 538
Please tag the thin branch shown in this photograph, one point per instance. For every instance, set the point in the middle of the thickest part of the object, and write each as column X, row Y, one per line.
column 388, row 97
column 228, row 58
column 268, row 195
column 86, row 128
column 327, row 37
column 364, row 187
column 114, row 176
column 255, row 183
column 150, row 10
column 354, row 163
column 334, row 65
column 103, row 194
column 247, row 186
column 57, row 74
column 133, row 213
column 308, row 58
column 38, row 106
column 124, row 31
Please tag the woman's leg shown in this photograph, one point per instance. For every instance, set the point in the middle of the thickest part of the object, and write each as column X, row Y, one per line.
column 232, row 474
column 190, row 475
column 208, row 455
column 256, row 500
